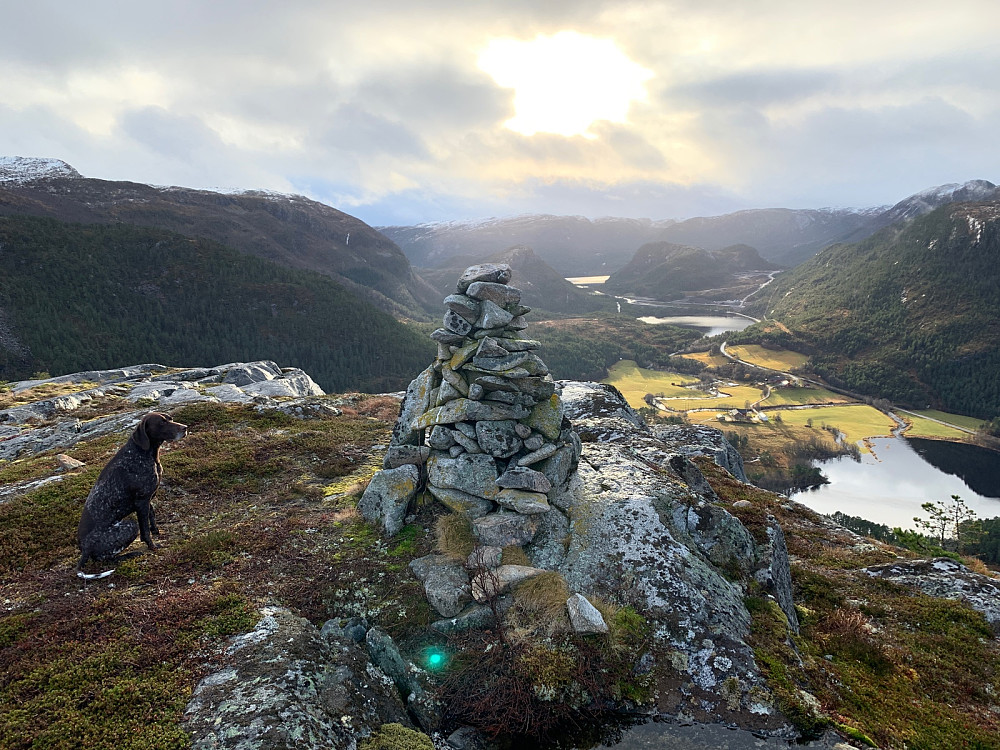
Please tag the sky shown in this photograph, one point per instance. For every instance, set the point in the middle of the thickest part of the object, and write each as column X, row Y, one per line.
column 410, row 111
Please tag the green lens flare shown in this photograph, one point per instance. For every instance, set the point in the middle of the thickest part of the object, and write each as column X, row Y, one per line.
column 435, row 659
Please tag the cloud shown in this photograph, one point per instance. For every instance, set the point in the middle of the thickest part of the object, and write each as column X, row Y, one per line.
column 380, row 108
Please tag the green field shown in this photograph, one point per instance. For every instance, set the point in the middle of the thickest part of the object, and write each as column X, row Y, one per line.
column 737, row 398
column 635, row 382
column 969, row 423
column 780, row 359
column 709, row 359
column 921, row 427
column 856, row 421
column 803, row 397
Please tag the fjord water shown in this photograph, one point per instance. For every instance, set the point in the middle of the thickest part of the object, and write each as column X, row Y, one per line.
column 889, row 485
column 709, row 325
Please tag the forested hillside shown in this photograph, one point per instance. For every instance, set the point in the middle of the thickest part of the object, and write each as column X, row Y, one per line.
column 290, row 230
column 80, row 297
column 911, row 314
column 666, row 271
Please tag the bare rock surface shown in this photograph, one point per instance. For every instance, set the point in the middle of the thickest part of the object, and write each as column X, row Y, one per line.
column 283, row 685
column 50, row 423
column 947, row 579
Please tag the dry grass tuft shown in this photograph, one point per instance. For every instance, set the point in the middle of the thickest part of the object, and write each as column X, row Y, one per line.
column 453, row 536
column 514, row 555
column 540, row 605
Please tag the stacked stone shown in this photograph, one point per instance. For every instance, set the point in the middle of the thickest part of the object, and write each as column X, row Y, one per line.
column 484, row 418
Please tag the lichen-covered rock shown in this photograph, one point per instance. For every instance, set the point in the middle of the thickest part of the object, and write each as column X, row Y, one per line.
column 498, row 438
column 388, row 495
column 775, row 575
column 524, row 478
column 490, row 583
column 699, row 440
column 473, row 474
column 584, row 616
column 522, row 501
column 547, row 417
column 286, row 687
column 400, row 455
column 505, row 529
column 637, row 532
column 945, row 578
column 457, row 501
column 416, row 401
column 446, row 583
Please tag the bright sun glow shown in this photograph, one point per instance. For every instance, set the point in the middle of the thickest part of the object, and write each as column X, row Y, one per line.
column 566, row 82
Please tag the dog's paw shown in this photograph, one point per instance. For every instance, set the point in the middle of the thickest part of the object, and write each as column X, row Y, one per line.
column 94, row 576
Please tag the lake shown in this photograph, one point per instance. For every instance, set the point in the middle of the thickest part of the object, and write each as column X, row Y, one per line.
column 889, row 485
column 709, row 325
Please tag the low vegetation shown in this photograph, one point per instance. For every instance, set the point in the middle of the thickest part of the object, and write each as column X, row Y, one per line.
column 252, row 509
column 882, row 663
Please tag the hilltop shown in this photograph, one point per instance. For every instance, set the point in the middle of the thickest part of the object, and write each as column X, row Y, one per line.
column 666, row 271
column 272, row 605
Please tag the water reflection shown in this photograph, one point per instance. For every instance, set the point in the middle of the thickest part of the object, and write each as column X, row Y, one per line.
column 710, row 325
column 889, row 486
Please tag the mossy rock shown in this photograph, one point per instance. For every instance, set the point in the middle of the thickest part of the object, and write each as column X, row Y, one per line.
column 396, row 737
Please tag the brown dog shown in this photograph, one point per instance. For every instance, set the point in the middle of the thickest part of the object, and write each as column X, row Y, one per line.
column 126, row 486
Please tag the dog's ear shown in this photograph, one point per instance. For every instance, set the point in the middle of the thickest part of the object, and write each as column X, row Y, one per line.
column 140, row 436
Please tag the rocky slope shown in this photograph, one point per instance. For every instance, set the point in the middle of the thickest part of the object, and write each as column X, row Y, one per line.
column 289, row 229
column 274, row 616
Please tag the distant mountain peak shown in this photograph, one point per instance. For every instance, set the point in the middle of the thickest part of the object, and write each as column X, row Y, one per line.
column 23, row 169
column 953, row 192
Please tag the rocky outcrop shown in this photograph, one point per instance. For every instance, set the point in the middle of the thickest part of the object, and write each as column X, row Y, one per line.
column 640, row 525
column 48, row 423
column 947, row 579
column 286, row 685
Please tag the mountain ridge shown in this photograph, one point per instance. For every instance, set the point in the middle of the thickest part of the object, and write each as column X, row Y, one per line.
column 292, row 230
column 781, row 235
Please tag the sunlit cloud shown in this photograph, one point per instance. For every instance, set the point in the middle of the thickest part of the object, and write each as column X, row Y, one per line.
column 565, row 83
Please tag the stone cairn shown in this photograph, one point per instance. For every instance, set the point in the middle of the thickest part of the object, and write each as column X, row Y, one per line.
column 482, row 427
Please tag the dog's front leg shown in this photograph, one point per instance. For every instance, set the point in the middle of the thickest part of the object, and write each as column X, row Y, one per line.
column 152, row 520
column 144, row 512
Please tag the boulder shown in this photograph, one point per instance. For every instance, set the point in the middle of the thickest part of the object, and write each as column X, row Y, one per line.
column 472, row 474
column 388, row 495
column 498, row 273
column 285, row 686
column 948, row 579
column 584, row 616
column 522, row 501
column 498, row 438
column 468, row 505
column 416, row 401
column 490, row 583
column 446, row 583
column 523, row 478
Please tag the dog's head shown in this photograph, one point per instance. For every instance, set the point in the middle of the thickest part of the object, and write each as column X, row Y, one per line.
column 156, row 428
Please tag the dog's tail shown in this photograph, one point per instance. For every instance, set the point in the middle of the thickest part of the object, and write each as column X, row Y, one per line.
column 93, row 576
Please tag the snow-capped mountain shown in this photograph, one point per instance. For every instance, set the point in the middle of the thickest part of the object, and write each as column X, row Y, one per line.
column 18, row 170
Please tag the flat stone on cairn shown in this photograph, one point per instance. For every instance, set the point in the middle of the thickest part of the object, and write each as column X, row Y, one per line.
column 484, row 423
